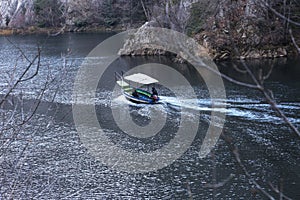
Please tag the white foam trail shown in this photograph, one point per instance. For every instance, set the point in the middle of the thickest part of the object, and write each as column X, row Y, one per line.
column 194, row 104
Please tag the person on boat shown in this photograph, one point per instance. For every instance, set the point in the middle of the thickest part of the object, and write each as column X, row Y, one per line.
column 135, row 93
column 154, row 91
column 154, row 94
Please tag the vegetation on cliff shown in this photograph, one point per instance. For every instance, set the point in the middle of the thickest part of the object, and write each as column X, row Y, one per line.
column 75, row 13
column 231, row 29
column 255, row 28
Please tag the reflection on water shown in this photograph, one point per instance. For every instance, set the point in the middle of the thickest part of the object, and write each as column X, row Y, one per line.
column 56, row 164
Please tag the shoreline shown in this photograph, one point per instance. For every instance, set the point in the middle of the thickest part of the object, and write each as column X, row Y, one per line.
column 57, row 30
column 259, row 53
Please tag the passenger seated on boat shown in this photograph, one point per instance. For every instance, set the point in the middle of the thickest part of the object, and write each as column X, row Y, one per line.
column 154, row 94
column 154, row 91
column 135, row 93
column 154, row 97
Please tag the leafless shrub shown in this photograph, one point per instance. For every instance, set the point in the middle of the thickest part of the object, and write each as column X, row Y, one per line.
column 18, row 114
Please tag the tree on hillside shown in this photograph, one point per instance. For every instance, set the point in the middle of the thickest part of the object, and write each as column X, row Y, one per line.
column 48, row 13
column 168, row 14
column 21, row 118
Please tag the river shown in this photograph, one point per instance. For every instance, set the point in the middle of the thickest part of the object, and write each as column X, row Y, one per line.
column 48, row 158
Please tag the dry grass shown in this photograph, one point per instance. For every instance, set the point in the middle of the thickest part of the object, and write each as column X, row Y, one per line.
column 5, row 32
column 28, row 30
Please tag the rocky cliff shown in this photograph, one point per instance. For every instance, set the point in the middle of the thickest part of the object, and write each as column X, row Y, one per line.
column 16, row 13
column 228, row 28
column 76, row 13
column 245, row 29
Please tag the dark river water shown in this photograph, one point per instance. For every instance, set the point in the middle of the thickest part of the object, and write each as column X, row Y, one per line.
column 46, row 158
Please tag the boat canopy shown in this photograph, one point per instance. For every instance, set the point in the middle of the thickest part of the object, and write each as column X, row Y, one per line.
column 141, row 79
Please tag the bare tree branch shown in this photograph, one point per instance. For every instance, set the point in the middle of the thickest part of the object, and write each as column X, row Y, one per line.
column 267, row 5
column 37, row 67
column 264, row 91
column 281, row 195
column 19, row 49
column 145, row 11
column 294, row 41
column 20, row 79
column 236, row 154
column 220, row 184
column 268, row 74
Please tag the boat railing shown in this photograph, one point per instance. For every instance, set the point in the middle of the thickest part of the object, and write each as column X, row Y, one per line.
column 124, row 85
column 118, row 76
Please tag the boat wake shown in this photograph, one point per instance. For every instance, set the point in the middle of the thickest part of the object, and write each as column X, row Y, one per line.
column 244, row 108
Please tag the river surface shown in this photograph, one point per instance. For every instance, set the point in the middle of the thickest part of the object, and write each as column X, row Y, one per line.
column 48, row 159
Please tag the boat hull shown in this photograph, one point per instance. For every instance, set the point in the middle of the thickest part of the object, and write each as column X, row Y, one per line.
column 137, row 95
column 141, row 99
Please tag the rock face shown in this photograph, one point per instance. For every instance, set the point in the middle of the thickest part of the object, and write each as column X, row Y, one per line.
column 220, row 26
column 169, row 14
column 244, row 29
column 148, row 40
column 139, row 42
column 231, row 29
column 16, row 13
column 71, row 13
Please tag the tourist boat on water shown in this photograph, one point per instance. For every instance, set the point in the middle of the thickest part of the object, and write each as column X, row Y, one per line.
column 135, row 88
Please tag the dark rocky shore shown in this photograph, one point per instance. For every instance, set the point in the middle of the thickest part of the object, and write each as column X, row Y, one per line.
column 242, row 29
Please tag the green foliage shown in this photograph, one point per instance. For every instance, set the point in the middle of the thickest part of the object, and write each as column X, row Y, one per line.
column 116, row 12
column 133, row 13
column 175, row 2
column 80, row 24
column 110, row 21
column 197, row 18
column 109, row 13
column 41, row 5
column 47, row 12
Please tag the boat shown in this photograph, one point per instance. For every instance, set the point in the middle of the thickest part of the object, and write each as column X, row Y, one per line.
column 134, row 88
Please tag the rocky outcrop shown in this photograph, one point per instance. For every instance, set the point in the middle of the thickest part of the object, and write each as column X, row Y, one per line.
column 169, row 14
column 138, row 42
column 148, row 40
column 221, row 26
column 244, row 29
column 16, row 13
column 236, row 29
column 70, row 13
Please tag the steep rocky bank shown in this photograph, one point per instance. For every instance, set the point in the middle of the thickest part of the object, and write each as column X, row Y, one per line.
column 245, row 29
column 230, row 29
column 142, row 34
column 75, row 14
column 16, row 13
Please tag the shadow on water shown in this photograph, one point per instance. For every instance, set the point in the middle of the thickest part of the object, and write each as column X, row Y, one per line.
column 59, row 164
column 59, row 112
